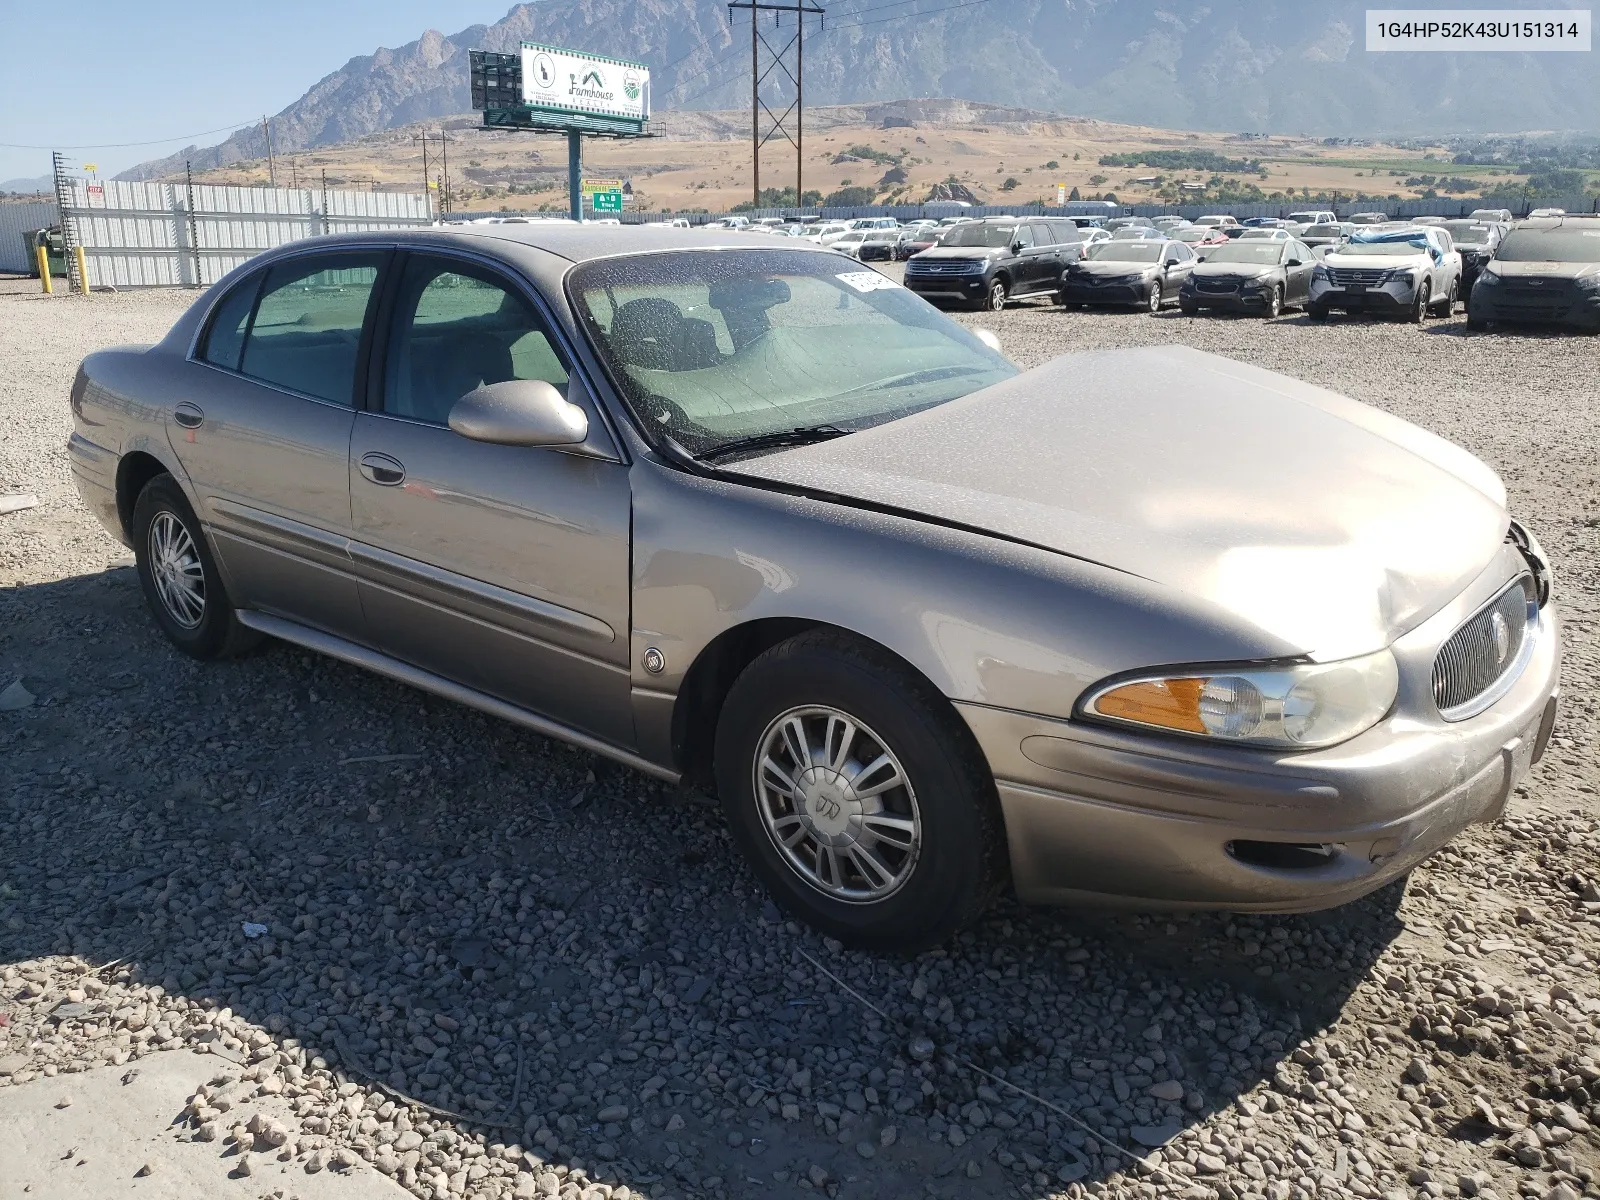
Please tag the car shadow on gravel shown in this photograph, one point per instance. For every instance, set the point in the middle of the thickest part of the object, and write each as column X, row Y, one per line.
column 342, row 887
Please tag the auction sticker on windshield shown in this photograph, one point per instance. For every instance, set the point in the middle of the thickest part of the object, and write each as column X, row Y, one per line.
column 1478, row 29
column 866, row 281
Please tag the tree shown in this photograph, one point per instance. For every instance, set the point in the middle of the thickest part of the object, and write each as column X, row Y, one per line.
column 1096, row 180
column 1073, row 195
column 849, row 197
column 1051, row 165
column 1010, row 185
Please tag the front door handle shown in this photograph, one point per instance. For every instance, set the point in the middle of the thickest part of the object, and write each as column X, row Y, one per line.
column 188, row 415
column 383, row 470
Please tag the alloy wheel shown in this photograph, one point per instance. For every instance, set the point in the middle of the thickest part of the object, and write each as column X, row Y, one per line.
column 1275, row 303
column 1155, row 297
column 179, row 575
column 997, row 295
column 837, row 804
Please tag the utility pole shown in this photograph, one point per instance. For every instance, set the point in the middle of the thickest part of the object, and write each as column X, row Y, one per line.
column 777, row 58
column 272, row 170
column 444, row 141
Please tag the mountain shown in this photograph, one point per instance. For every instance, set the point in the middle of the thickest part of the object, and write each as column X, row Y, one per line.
column 1236, row 65
column 39, row 183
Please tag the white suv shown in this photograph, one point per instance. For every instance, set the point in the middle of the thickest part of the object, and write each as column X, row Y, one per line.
column 1402, row 272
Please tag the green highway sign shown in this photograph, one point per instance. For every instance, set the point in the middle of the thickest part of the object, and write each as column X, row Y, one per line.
column 607, row 202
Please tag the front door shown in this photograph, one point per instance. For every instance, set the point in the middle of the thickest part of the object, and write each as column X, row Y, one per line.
column 261, row 424
column 504, row 568
column 1298, row 262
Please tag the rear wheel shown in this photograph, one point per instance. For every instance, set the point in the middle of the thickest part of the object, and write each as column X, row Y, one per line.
column 1419, row 306
column 180, row 579
column 994, row 300
column 1274, row 304
column 857, row 795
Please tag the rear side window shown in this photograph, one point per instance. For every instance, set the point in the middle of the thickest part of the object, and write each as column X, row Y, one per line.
column 306, row 334
column 1043, row 234
column 230, row 321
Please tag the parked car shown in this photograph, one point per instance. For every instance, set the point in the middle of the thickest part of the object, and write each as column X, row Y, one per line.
column 1260, row 234
column 1196, row 236
column 917, row 239
column 826, row 234
column 1537, row 213
column 1368, row 218
column 918, row 649
column 1219, row 221
column 1264, row 223
column 1137, row 233
column 1544, row 271
column 1257, row 275
column 1144, row 273
column 1500, row 216
column 993, row 261
column 877, row 246
column 874, row 223
column 1116, row 223
column 729, row 223
column 1406, row 272
column 1428, row 220
column 1330, row 233
column 849, row 242
column 1476, row 242
column 1317, row 216
column 1167, row 222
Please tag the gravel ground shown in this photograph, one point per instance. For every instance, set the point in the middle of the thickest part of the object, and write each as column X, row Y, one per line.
column 495, row 966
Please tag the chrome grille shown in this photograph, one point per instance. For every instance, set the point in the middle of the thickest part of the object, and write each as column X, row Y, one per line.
column 944, row 266
column 1485, row 651
column 1367, row 276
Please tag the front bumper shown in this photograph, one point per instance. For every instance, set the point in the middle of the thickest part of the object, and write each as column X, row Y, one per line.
column 1391, row 299
column 951, row 286
column 1099, row 815
column 1247, row 297
column 1088, row 290
column 1554, row 302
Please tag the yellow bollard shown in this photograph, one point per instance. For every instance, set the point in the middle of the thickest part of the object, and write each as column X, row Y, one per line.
column 44, row 269
column 83, row 270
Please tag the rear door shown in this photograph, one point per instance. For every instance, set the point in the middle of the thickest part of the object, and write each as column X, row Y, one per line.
column 504, row 568
column 264, row 436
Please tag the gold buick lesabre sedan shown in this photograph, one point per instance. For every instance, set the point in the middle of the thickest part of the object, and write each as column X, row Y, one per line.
column 1138, row 626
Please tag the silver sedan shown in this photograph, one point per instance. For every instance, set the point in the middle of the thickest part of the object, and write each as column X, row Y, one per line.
column 1140, row 626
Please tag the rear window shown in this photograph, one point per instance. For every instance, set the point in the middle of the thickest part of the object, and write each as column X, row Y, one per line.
column 306, row 333
column 1473, row 233
column 230, row 321
column 1551, row 245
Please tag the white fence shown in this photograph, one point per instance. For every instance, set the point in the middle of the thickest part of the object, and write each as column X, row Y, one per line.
column 16, row 255
column 170, row 235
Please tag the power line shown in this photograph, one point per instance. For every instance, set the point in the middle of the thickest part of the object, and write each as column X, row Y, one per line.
column 126, row 145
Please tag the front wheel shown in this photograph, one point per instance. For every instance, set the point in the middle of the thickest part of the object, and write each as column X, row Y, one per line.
column 180, row 579
column 1419, row 306
column 857, row 795
column 1189, row 308
column 994, row 300
column 1450, row 299
column 1153, row 301
column 1274, row 304
column 1316, row 312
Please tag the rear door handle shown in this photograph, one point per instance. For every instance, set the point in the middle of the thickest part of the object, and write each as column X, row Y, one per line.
column 188, row 415
column 383, row 470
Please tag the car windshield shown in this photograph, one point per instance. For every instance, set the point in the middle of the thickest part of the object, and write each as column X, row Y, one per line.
column 1471, row 233
column 1134, row 252
column 1551, row 245
column 1322, row 231
column 1261, row 253
column 991, row 236
column 712, row 347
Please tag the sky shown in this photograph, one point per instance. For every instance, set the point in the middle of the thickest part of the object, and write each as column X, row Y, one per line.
column 117, row 71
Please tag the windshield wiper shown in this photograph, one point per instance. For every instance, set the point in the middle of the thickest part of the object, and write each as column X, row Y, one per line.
column 803, row 436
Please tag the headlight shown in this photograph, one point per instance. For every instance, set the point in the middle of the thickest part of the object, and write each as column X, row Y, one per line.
column 1296, row 707
column 1488, row 278
column 1320, row 272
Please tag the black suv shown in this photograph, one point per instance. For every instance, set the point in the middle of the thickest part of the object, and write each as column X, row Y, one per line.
column 988, row 262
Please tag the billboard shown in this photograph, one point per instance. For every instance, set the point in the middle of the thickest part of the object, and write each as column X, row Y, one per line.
column 570, row 81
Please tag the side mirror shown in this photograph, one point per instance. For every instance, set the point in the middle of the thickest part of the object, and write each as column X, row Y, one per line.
column 519, row 412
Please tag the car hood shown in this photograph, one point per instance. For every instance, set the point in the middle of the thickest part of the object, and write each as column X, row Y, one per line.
column 1207, row 270
column 958, row 252
column 1326, row 523
column 1105, row 266
column 1544, row 270
column 1380, row 262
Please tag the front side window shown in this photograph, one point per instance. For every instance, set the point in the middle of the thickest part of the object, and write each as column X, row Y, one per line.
column 305, row 334
column 712, row 347
column 456, row 328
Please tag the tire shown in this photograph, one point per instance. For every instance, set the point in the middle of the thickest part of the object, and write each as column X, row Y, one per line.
column 179, row 576
column 1450, row 300
column 1274, row 305
column 1419, row 306
column 994, row 300
column 1153, row 301
column 935, row 873
column 1316, row 312
column 1189, row 308
column 1476, row 324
